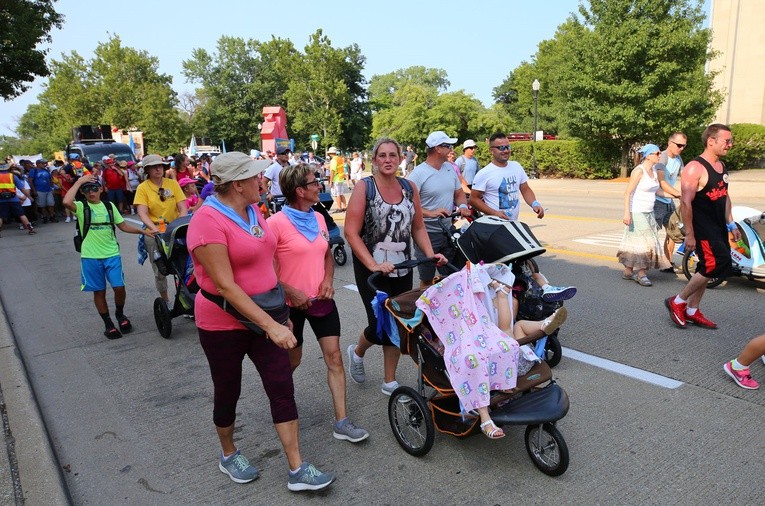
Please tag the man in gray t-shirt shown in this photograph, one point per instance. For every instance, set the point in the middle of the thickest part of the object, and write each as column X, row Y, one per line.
column 440, row 192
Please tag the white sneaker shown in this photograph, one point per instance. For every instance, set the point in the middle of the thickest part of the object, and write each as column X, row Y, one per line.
column 388, row 390
column 68, row 220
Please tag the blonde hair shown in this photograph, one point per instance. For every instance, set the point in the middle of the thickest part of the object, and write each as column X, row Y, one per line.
column 292, row 177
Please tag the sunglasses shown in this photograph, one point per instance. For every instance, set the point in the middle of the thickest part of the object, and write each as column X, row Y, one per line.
column 728, row 142
column 445, row 145
column 501, row 148
column 163, row 194
column 90, row 189
column 681, row 146
column 315, row 183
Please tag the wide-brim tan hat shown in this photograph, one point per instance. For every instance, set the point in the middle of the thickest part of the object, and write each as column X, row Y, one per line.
column 236, row 166
column 150, row 160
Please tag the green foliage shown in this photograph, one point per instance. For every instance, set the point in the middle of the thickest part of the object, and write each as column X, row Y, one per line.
column 24, row 25
column 383, row 88
column 748, row 149
column 120, row 86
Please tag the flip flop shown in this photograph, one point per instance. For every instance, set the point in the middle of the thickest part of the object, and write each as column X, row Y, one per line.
column 112, row 333
column 491, row 431
column 554, row 321
column 125, row 325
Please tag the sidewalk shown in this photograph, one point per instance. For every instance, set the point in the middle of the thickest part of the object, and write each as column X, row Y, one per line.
column 29, row 471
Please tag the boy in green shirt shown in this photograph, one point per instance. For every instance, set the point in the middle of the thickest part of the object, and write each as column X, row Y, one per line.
column 101, row 259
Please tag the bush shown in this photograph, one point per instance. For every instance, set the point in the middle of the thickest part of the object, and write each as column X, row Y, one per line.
column 748, row 149
column 557, row 159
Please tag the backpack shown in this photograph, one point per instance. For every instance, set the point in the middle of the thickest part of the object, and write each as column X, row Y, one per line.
column 86, row 222
column 372, row 189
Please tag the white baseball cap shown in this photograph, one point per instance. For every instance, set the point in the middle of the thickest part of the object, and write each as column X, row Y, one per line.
column 438, row 137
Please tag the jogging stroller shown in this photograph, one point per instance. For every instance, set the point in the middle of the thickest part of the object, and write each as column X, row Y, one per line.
column 414, row 415
column 174, row 260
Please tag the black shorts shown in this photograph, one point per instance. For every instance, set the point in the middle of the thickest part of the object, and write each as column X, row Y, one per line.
column 714, row 258
column 322, row 326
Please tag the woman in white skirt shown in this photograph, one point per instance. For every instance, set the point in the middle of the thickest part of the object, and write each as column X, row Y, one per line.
column 640, row 248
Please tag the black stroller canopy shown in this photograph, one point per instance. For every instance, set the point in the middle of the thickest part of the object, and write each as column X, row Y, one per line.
column 491, row 239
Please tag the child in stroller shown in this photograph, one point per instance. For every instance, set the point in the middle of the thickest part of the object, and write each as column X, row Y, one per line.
column 174, row 259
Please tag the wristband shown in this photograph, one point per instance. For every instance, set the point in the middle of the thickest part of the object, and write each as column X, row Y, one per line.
column 462, row 206
column 536, row 203
column 731, row 226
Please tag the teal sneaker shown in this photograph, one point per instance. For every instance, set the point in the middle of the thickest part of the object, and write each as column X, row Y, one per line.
column 238, row 468
column 309, row 478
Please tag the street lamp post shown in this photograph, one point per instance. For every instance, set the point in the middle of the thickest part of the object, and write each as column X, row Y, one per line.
column 535, row 88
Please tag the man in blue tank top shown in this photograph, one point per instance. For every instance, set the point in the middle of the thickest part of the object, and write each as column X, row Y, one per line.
column 708, row 219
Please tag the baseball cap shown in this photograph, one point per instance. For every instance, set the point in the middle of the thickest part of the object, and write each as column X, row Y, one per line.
column 470, row 143
column 438, row 137
column 236, row 166
column 186, row 180
column 43, row 160
column 332, row 151
column 150, row 160
column 73, row 156
column 280, row 150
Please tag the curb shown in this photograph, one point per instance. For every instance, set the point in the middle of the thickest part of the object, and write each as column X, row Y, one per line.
column 34, row 469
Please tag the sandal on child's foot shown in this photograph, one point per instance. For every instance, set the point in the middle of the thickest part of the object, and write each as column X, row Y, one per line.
column 125, row 325
column 112, row 333
column 491, row 431
column 554, row 321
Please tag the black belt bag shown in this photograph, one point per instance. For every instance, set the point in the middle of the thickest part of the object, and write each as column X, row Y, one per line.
column 273, row 302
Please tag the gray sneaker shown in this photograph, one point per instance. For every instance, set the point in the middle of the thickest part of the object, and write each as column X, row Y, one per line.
column 356, row 370
column 238, row 468
column 350, row 432
column 388, row 390
column 309, row 478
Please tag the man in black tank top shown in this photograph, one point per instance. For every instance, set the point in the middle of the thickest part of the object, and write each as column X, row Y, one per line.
column 706, row 210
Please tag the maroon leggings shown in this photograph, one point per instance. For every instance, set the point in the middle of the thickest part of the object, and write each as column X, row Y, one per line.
column 225, row 351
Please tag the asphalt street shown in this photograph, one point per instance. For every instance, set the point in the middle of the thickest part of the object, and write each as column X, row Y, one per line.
column 130, row 421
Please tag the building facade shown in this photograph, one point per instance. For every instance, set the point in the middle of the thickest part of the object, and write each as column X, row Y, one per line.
column 739, row 39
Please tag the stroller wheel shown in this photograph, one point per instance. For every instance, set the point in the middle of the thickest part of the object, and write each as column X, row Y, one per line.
column 411, row 421
column 547, row 448
column 339, row 254
column 162, row 318
column 553, row 350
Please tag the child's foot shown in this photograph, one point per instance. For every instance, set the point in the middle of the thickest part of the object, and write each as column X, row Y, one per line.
column 491, row 431
column 554, row 321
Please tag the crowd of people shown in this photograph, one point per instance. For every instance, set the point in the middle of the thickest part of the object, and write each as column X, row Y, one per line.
column 246, row 255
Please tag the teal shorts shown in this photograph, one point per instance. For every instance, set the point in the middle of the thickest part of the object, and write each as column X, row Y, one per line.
column 95, row 272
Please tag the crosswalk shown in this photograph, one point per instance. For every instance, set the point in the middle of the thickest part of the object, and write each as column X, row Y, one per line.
column 610, row 240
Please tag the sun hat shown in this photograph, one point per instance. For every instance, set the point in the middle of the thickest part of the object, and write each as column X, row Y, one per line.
column 235, row 166
column 186, row 180
column 437, row 138
column 470, row 143
column 332, row 151
column 150, row 160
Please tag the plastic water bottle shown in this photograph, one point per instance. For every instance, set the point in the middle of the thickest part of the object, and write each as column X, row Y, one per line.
column 161, row 225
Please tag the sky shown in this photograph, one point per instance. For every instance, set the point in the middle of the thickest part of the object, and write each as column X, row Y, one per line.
column 478, row 43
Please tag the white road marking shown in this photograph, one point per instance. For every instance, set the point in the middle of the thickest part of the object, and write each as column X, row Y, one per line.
column 624, row 370
column 606, row 240
column 609, row 365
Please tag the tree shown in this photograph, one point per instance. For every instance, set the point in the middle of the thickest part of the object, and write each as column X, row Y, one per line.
column 636, row 71
column 382, row 88
column 120, row 86
column 237, row 81
column 24, row 25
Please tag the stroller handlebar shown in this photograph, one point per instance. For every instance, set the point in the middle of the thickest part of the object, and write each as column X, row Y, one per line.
column 406, row 264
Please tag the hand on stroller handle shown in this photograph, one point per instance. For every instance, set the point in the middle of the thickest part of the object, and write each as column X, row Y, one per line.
column 439, row 259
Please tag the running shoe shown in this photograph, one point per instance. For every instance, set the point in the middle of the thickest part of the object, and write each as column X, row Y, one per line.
column 742, row 377
column 355, row 369
column 349, row 432
column 309, row 478
column 676, row 311
column 558, row 293
column 238, row 468
column 700, row 320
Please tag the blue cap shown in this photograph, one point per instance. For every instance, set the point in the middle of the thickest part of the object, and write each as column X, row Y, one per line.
column 648, row 149
column 73, row 156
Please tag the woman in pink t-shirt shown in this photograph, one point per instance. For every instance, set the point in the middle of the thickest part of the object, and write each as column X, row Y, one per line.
column 305, row 269
column 232, row 249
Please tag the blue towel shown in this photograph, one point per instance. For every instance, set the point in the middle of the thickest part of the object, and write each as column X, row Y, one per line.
column 143, row 254
column 386, row 324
